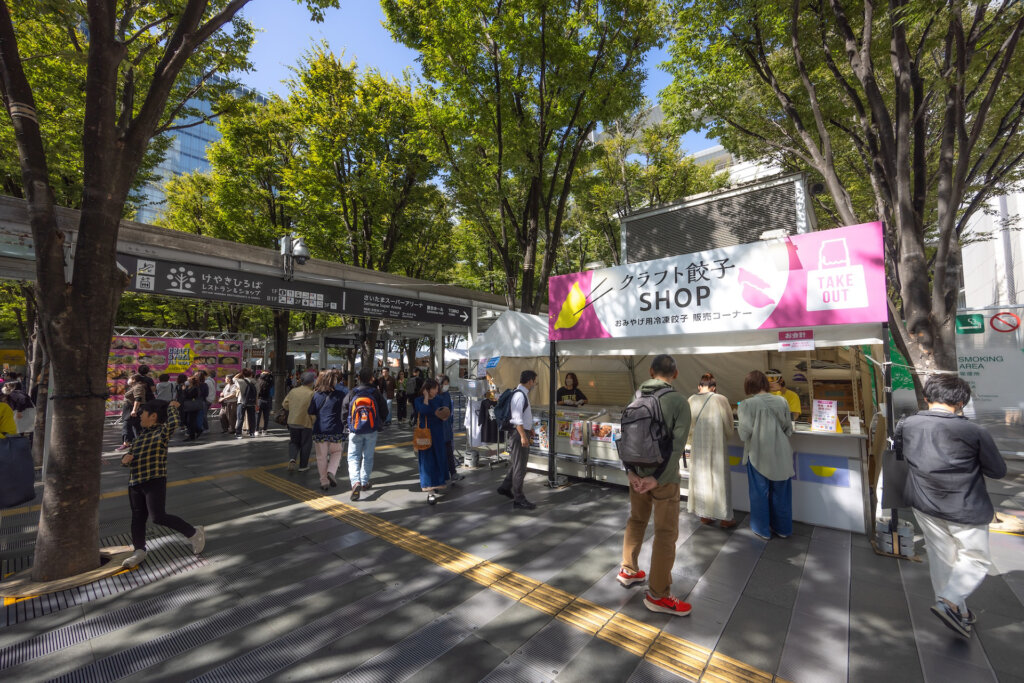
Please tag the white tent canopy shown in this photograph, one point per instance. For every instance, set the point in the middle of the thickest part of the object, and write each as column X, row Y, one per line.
column 513, row 334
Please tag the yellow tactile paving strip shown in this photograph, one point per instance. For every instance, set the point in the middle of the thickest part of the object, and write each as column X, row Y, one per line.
column 664, row 650
column 669, row 652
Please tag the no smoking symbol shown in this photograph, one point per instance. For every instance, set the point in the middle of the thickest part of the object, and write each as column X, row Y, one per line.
column 1004, row 322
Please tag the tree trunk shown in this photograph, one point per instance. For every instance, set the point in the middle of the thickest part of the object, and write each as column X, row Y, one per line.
column 411, row 346
column 42, row 405
column 350, row 365
column 76, row 333
column 280, row 363
column 368, row 345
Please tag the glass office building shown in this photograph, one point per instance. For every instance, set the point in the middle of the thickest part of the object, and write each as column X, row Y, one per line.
column 186, row 154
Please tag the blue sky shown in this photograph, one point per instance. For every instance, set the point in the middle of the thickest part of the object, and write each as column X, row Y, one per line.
column 356, row 30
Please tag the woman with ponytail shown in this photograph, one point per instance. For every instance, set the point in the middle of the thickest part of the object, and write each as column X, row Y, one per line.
column 710, row 495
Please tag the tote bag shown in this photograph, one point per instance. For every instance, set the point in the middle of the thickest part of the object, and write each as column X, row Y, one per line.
column 421, row 440
column 17, row 475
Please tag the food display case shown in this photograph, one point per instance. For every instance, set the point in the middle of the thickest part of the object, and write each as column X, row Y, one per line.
column 571, row 438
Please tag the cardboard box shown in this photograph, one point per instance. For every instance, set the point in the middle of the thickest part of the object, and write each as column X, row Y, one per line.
column 835, row 391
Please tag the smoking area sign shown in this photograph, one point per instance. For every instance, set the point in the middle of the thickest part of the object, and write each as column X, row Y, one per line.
column 971, row 323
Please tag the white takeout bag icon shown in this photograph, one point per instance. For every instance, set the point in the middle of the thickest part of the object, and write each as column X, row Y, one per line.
column 836, row 285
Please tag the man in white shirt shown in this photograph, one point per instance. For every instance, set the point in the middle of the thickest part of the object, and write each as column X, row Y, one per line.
column 519, row 444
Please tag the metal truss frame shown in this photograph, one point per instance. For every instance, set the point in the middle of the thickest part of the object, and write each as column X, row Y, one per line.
column 173, row 333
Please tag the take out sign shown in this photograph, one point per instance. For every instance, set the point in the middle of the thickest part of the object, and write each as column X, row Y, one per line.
column 832, row 277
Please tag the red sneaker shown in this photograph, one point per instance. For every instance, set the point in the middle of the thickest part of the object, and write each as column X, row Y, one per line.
column 668, row 605
column 628, row 579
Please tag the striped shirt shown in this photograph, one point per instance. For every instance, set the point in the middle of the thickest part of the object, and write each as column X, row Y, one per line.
column 149, row 450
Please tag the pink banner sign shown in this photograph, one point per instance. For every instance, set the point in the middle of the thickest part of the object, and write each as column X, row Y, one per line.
column 171, row 356
column 832, row 277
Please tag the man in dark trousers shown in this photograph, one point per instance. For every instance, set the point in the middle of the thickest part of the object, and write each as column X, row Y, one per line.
column 519, row 443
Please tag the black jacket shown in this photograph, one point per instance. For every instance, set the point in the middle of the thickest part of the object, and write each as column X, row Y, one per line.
column 949, row 457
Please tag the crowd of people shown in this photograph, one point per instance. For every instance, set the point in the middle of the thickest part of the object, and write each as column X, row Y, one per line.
column 948, row 457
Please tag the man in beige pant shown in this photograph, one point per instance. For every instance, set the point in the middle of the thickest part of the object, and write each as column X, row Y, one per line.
column 656, row 490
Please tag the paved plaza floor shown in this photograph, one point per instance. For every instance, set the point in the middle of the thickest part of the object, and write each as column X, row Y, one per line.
column 298, row 585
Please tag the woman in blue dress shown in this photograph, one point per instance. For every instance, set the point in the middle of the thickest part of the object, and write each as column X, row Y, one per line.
column 434, row 460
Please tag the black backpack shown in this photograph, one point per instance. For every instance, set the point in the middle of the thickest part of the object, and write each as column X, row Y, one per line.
column 645, row 440
column 503, row 409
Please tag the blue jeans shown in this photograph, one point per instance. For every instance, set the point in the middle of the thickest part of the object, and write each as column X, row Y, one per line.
column 360, row 457
column 771, row 504
column 390, row 402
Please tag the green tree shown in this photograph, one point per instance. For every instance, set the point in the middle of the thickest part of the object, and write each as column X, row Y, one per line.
column 519, row 88
column 361, row 177
column 245, row 198
column 635, row 166
column 143, row 60
column 909, row 113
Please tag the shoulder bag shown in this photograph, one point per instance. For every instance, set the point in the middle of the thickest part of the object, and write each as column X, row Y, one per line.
column 421, row 440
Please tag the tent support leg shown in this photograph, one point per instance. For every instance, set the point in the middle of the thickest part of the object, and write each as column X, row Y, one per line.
column 554, row 480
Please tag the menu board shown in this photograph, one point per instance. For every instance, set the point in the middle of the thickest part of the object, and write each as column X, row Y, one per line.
column 605, row 431
column 824, row 415
column 572, row 430
column 540, row 435
column 172, row 356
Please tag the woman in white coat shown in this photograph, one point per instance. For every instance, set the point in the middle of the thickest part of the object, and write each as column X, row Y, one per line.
column 710, row 496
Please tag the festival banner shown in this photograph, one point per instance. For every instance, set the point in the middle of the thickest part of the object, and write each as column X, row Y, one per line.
column 831, row 277
column 172, row 356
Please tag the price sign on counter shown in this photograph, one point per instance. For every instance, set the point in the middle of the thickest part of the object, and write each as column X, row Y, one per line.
column 824, row 415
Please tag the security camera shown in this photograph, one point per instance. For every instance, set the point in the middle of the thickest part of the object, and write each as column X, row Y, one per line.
column 300, row 252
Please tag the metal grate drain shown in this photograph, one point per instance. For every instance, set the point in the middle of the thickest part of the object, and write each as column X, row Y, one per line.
column 402, row 660
column 196, row 634
column 515, row 671
column 302, row 642
column 72, row 634
column 168, row 555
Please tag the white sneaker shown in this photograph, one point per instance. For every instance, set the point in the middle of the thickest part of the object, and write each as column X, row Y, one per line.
column 198, row 540
column 134, row 560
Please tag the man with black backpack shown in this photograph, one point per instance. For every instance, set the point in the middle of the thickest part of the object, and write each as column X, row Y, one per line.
column 366, row 411
column 654, row 430
column 520, row 423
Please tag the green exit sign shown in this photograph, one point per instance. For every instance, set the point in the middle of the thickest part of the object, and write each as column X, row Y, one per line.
column 972, row 323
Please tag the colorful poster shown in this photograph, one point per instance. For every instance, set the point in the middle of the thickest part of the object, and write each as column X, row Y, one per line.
column 540, row 436
column 831, row 277
column 605, row 431
column 172, row 356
